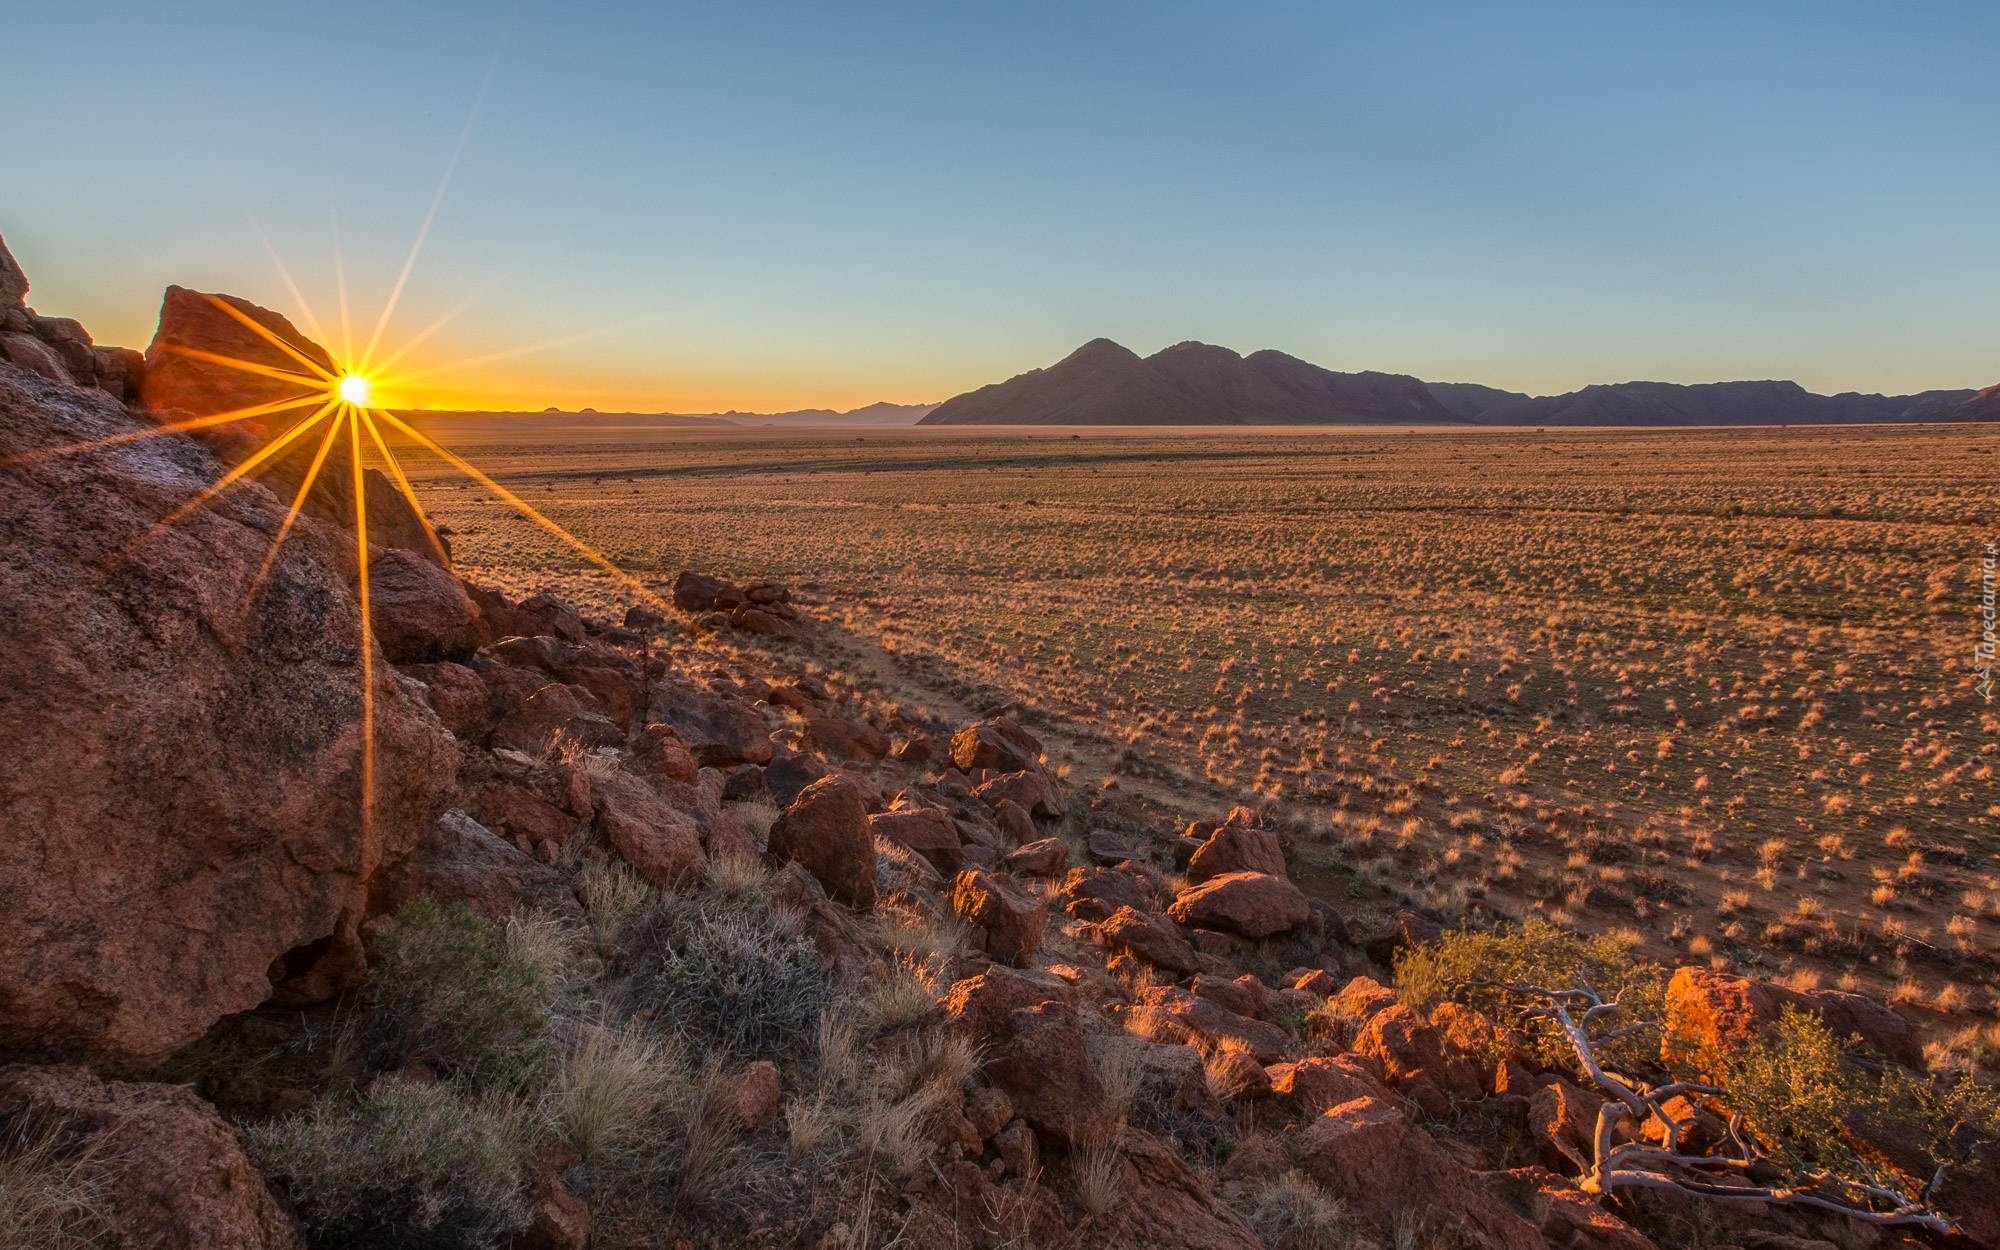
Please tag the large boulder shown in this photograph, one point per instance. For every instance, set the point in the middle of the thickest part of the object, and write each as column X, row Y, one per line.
column 1237, row 848
column 182, row 380
column 662, row 843
column 721, row 731
column 826, row 830
column 1248, row 904
column 168, row 1173
column 183, row 800
column 462, row 860
column 1147, row 937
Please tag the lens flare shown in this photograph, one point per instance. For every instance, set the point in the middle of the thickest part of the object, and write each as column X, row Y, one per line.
column 353, row 389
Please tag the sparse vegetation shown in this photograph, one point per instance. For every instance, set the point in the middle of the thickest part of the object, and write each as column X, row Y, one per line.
column 404, row 1164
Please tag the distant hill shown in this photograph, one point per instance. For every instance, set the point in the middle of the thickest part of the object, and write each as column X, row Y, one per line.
column 1721, row 403
column 872, row 414
column 1468, row 401
column 1102, row 383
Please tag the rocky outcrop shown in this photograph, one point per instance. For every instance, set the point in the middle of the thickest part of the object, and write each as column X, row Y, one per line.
column 193, row 836
column 182, row 380
column 57, row 348
column 1006, row 921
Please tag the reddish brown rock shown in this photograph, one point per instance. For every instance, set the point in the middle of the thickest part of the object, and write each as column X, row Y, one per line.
column 421, row 613
column 1165, row 1205
column 461, row 860
column 1168, row 1013
column 928, row 832
column 915, row 750
column 826, row 830
column 1312, row 1085
column 1029, row 789
column 659, row 751
column 25, row 351
column 1045, row 857
column 996, row 743
column 838, row 737
column 1006, row 921
column 759, row 1095
column 196, row 820
column 662, row 844
column 1038, row 1059
column 1249, row 904
column 1563, row 1121
column 1390, row 1170
column 1361, row 998
column 982, row 1005
column 1236, row 848
column 698, row 592
column 549, row 720
column 13, row 282
column 170, row 1173
column 1236, row 1077
column 1095, row 893
column 1710, row 1011
column 1150, row 938
column 1407, row 1049
column 1564, row 1214
column 720, row 730
column 458, row 697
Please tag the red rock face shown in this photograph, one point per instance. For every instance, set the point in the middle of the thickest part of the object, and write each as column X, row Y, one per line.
column 1709, row 1011
column 182, row 789
column 172, row 1174
column 177, row 385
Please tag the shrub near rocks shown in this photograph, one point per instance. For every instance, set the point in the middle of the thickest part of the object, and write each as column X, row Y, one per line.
column 405, row 1165
column 450, row 991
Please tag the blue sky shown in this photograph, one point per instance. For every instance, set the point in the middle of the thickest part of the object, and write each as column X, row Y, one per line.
column 783, row 205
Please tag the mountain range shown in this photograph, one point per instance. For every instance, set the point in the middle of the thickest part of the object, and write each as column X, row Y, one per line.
column 1103, row 383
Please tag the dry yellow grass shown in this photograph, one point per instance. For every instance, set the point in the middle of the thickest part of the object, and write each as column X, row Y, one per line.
column 1713, row 686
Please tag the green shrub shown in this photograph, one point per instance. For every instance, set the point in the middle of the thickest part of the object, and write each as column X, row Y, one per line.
column 1801, row 1091
column 1474, row 967
column 405, row 1165
column 446, row 989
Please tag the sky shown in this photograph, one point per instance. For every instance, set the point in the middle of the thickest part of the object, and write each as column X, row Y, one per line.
column 694, row 208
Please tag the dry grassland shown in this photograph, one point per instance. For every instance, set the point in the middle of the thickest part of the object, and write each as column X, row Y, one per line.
column 1712, row 686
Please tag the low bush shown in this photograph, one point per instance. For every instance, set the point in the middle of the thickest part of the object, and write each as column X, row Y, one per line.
column 405, row 1165
column 725, row 973
column 448, row 989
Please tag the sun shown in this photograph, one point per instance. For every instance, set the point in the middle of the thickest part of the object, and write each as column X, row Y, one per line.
column 352, row 389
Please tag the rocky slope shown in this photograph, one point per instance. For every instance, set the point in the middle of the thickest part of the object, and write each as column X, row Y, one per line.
column 666, row 935
column 1724, row 403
